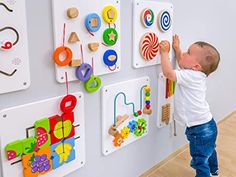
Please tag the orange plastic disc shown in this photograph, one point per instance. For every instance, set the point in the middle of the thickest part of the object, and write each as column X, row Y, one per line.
column 58, row 51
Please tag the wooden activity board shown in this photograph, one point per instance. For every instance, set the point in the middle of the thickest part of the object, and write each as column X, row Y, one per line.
column 152, row 23
column 126, row 108
column 165, row 101
column 91, row 31
column 43, row 138
column 14, row 59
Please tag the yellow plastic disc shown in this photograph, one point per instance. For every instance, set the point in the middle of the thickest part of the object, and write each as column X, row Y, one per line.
column 109, row 14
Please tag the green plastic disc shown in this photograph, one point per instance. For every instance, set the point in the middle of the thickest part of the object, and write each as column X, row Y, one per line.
column 110, row 36
column 93, row 84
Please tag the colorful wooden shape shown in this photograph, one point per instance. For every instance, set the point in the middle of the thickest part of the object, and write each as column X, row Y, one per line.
column 56, row 136
column 56, row 55
column 68, row 116
column 147, row 17
column 63, row 152
column 72, row 12
column 110, row 14
column 93, row 22
column 110, row 57
column 68, row 103
column 93, row 46
column 75, row 63
column 68, row 131
column 29, row 145
column 14, row 150
column 37, row 163
column 42, row 124
column 149, row 46
column 73, row 38
column 110, row 36
column 84, row 71
column 93, row 84
column 55, row 122
column 164, row 21
column 43, row 140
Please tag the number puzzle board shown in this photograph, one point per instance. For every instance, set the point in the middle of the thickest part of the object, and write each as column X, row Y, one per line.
column 131, row 89
column 139, row 30
column 15, row 120
column 78, row 25
column 163, row 90
column 15, row 61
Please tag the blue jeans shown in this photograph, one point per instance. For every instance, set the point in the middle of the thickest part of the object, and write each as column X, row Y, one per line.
column 202, row 140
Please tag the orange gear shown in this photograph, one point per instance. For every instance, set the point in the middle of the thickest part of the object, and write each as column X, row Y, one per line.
column 119, row 139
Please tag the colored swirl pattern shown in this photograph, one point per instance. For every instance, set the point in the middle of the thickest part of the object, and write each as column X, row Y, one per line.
column 164, row 21
column 147, row 17
column 149, row 46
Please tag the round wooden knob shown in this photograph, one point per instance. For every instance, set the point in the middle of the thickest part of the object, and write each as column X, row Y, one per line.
column 72, row 12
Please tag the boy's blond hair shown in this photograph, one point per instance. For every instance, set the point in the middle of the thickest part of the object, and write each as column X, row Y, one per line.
column 211, row 57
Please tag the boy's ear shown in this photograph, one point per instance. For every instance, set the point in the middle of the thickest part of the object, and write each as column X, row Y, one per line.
column 197, row 67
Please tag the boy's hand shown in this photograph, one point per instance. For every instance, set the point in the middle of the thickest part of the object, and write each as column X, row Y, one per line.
column 164, row 47
column 176, row 42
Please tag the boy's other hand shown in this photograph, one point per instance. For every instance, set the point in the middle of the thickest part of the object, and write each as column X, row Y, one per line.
column 176, row 42
column 164, row 47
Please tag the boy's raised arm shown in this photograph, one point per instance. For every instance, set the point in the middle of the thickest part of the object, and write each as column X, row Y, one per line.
column 165, row 62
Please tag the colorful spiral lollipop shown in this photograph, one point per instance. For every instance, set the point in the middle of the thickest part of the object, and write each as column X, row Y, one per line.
column 149, row 46
column 147, row 17
column 164, row 21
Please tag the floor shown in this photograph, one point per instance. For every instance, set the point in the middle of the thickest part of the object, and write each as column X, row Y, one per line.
column 226, row 148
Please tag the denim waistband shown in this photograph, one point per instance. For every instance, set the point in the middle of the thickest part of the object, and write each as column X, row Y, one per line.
column 207, row 127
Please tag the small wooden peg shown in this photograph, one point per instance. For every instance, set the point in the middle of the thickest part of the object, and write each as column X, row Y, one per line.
column 113, row 131
column 75, row 63
column 94, row 22
column 72, row 12
column 73, row 38
column 111, row 14
column 93, row 46
column 147, row 111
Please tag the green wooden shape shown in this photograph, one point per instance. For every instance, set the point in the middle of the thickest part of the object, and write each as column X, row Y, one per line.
column 93, row 84
column 66, row 131
column 110, row 36
column 14, row 149
column 29, row 145
column 44, row 123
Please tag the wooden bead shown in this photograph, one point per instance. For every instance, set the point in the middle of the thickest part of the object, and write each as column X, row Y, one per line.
column 148, row 106
column 113, row 131
column 72, row 12
column 73, row 38
column 139, row 112
column 75, row 63
column 93, row 46
column 147, row 111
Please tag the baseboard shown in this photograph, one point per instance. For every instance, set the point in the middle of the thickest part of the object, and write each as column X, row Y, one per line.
column 179, row 151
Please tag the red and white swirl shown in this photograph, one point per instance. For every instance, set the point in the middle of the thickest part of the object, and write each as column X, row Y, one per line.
column 149, row 46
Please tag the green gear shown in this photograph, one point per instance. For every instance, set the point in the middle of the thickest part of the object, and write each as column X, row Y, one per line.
column 141, row 127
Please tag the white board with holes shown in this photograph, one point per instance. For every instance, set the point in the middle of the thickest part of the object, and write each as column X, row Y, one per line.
column 123, row 99
column 79, row 48
column 165, row 101
column 152, row 23
column 25, row 116
column 14, row 59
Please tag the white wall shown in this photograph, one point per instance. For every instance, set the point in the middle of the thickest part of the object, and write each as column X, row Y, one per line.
column 193, row 20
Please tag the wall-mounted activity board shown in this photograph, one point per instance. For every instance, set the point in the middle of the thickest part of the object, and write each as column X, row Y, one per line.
column 126, row 108
column 43, row 138
column 86, row 39
column 14, row 59
column 165, row 101
column 152, row 23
